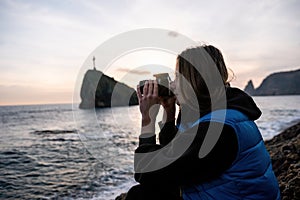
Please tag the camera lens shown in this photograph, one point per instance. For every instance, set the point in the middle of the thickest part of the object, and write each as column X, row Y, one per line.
column 163, row 81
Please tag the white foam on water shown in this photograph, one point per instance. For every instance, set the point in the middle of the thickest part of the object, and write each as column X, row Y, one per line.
column 113, row 191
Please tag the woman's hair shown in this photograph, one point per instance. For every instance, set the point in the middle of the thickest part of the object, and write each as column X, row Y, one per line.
column 198, row 66
column 218, row 59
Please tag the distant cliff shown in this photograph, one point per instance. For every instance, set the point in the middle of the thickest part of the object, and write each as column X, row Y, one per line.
column 99, row 90
column 281, row 83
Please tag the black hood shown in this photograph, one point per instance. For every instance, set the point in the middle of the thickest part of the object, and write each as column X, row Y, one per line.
column 236, row 99
column 239, row 100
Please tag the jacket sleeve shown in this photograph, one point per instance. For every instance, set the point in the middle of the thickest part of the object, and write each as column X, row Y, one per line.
column 189, row 168
column 167, row 133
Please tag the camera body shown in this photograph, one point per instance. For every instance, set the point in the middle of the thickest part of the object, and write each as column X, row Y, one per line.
column 163, row 81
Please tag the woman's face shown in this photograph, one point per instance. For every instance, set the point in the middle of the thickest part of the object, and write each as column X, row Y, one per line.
column 175, row 85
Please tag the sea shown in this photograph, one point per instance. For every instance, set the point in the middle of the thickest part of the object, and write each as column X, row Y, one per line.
column 62, row 152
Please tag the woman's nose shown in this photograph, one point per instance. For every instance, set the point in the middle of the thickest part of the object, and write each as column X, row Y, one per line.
column 172, row 85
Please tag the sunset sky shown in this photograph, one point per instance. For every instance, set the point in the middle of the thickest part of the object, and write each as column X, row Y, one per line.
column 43, row 44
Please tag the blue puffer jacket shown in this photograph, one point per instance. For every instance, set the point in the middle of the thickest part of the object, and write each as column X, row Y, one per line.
column 250, row 176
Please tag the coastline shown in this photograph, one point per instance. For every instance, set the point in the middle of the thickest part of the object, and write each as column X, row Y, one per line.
column 284, row 150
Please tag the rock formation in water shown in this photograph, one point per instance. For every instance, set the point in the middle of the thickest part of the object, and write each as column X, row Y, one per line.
column 99, row 90
column 281, row 83
column 250, row 88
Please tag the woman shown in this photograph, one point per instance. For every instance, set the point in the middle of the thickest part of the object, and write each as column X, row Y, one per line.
column 215, row 151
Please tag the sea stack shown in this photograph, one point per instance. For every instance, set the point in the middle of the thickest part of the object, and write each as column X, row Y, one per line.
column 249, row 89
column 99, row 90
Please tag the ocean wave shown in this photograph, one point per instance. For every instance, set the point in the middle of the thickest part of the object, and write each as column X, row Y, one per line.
column 55, row 132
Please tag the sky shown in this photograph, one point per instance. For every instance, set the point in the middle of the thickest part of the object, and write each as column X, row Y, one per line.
column 43, row 44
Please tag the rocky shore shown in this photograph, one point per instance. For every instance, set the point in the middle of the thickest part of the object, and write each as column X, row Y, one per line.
column 284, row 150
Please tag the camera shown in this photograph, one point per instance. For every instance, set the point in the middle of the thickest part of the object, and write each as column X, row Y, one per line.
column 163, row 81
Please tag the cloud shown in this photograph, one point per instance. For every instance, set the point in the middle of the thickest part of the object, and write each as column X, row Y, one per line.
column 134, row 71
column 173, row 34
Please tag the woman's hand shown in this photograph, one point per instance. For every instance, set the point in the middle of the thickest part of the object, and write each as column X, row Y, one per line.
column 168, row 104
column 149, row 103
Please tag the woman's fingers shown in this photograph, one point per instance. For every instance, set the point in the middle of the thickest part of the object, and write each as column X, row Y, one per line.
column 155, row 88
column 138, row 91
column 150, row 89
column 149, row 101
column 146, row 86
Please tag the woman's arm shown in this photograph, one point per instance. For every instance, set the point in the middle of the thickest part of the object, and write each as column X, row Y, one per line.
column 168, row 128
column 188, row 168
column 167, row 133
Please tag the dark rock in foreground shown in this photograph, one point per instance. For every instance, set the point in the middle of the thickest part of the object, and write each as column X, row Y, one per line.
column 99, row 90
column 121, row 196
column 285, row 154
column 281, row 83
column 284, row 150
